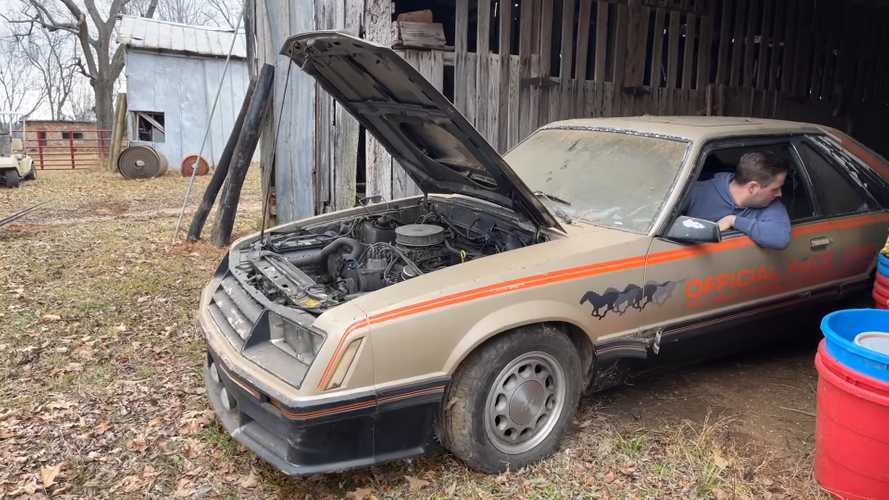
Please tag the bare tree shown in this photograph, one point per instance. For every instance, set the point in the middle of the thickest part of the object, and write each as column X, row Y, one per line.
column 102, row 61
column 82, row 104
column 51, row 53
column 20, row 92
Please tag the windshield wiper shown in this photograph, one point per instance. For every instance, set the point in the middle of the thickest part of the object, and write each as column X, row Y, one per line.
column 551, row 197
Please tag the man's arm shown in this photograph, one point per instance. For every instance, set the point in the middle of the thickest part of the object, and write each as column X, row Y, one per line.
column 770, row 230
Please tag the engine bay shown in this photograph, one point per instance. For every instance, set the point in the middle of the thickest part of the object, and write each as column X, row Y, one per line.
column 320, row 266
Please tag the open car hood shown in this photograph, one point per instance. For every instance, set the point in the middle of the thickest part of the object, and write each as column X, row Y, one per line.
column 416, row 124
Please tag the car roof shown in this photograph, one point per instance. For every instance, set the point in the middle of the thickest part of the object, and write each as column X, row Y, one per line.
column 693, row 128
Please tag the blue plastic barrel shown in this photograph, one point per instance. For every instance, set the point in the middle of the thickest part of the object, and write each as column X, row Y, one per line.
column 840, row 329
column 883, row 265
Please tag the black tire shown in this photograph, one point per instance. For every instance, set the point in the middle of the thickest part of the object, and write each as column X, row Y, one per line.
column 12, row 179
column 32, row 175
column 475, row 430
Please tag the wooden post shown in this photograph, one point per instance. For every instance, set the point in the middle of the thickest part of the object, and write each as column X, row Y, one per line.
column 120, row 125
column 242, row 155
column 200, row 216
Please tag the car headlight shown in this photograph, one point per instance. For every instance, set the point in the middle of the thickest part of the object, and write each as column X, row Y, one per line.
column 296, row 340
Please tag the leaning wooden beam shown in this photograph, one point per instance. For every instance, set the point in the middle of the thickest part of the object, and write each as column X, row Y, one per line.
column 242, row 155
column 120, row 125
column 200, row 216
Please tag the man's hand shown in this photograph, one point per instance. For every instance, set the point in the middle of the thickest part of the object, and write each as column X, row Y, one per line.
column 726, row 223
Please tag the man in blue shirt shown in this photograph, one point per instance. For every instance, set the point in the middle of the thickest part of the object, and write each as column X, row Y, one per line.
column 747, row 200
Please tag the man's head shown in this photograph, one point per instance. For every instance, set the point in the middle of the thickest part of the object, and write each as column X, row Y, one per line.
column 758, row 179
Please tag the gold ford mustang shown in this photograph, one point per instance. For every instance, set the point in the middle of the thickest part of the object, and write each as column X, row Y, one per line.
column 476, row 314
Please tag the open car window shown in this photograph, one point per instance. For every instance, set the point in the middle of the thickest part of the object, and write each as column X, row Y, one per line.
column 795, row 195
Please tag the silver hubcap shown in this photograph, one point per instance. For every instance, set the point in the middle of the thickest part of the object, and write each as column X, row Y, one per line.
column 525, row 402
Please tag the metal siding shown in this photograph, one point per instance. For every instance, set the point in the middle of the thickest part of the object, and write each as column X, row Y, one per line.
column 183, row 89
column 151, row 34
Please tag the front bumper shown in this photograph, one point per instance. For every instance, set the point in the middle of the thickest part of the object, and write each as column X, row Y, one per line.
column 325, row 437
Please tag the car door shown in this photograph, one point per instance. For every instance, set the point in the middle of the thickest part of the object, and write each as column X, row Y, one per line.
column 851, row 225
column 706, row 285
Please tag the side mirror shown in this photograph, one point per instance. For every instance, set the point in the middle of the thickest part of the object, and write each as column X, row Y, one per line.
column 691, row 229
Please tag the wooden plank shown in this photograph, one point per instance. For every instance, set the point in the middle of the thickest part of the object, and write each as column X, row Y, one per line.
column 765, row 42
column 656, row 76
column 608, row 99
column 753, row 14
column 461, row 32
column 637, row 43
column 674, row 34
column 492, row 107
column 378, row 162
column 705, row 48
column 567, row 50
column 620, row 45
column 723, row 66
column 601, row 40
column 544, row 68
column 482, row 75
column 691, row 36
column 514, row 116
column 345, row 145
column 738, row 45
column 803, row 55
column 784, row 59
column 533, row 112
column 565, row 95
column 584, row 23
column 471, row 93
column 527, row 26
column 505, row 43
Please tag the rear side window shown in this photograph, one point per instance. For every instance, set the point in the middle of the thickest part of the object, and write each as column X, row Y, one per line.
column 835, row 192
column 867, row 178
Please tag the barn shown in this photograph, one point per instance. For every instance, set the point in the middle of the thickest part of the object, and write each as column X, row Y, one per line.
column 173, row 72
column 513, row 66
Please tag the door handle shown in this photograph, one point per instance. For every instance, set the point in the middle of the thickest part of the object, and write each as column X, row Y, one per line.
column 820, row 243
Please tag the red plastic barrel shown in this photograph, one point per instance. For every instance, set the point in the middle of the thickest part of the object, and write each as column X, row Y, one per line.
column 851, row 431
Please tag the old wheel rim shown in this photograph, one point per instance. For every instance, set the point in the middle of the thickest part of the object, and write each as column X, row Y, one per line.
column 525, row 402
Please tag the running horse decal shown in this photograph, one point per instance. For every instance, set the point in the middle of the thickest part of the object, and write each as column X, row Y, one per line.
column 632, row 297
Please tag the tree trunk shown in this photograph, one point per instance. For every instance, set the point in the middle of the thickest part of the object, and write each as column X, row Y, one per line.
column 259, row 105
column 104, row 104
column 104, row 113
column 200, row 216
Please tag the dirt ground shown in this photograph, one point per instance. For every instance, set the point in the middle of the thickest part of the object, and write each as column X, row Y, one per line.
column 101, row 393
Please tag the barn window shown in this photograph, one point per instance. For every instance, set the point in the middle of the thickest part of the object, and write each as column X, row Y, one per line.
column 148, row 126
column 72, row 135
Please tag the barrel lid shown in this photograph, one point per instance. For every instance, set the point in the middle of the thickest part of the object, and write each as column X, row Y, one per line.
column 873, row 340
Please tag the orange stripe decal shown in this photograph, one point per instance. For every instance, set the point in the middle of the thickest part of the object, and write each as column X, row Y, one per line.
column 582, row 271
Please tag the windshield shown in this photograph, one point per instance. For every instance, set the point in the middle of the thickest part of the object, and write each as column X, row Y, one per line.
column 609, row 178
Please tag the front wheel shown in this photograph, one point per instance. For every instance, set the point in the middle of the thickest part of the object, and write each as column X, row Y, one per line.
column 12, row 179
column 511, row 401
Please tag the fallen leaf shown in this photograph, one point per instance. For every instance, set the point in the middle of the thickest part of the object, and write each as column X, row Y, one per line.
column 609, row 478
column 249, row 482
column 416, row 484
column 102, row 428
column 183, row 488
column 46, row 318
column 132, row 483
column 361, row 494
column 48, row 475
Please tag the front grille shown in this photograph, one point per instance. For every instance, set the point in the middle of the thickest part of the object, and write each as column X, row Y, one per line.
column 234, row 311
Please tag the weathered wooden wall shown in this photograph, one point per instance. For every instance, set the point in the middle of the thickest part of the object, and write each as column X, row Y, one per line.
column 531, row 62
column 794, row 59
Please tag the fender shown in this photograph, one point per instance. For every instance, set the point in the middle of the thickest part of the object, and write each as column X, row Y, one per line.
column 514, row 316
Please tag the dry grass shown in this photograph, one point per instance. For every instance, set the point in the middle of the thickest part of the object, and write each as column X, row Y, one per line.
column 101, row 394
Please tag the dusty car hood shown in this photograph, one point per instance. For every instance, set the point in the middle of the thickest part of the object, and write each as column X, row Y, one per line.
column 416, row 124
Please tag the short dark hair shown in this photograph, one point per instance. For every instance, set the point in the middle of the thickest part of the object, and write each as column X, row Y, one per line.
column 759, row 166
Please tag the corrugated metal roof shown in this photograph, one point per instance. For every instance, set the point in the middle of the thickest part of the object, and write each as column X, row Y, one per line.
column 163, row 36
